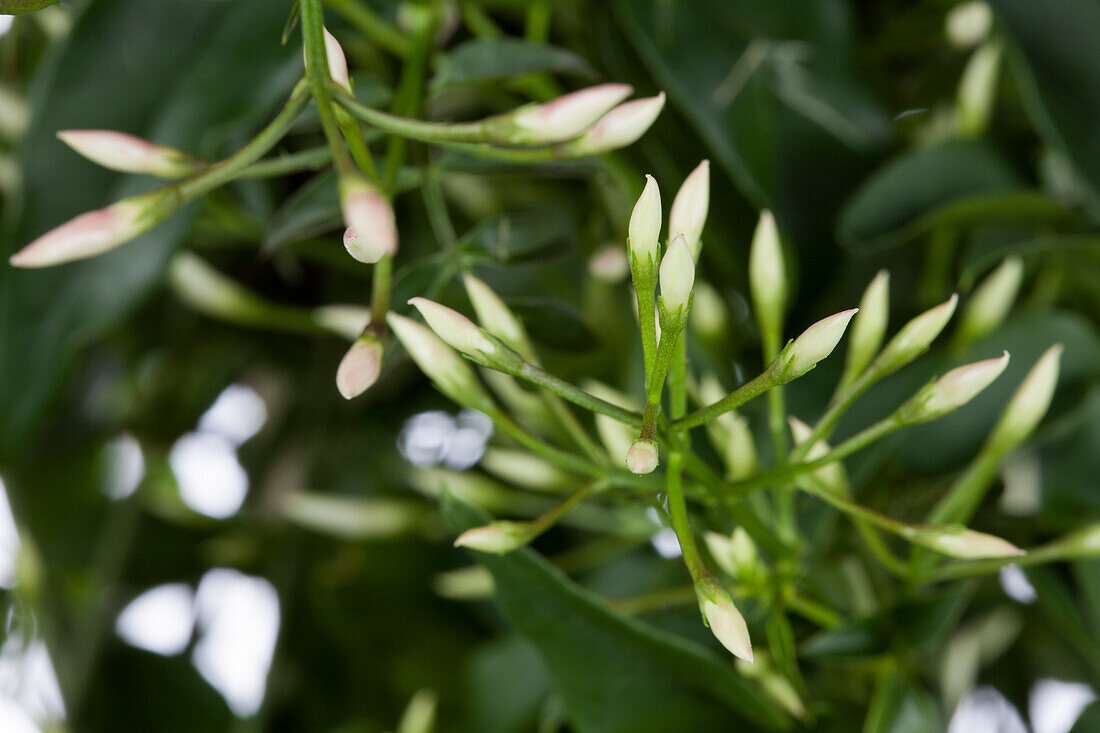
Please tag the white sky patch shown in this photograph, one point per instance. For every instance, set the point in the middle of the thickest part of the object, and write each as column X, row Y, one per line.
column 160, row 620
column 237, row 415
column 124, row 467
column 1054, row 705
column 1016, row 585
column 211, row 479
column 27, row 678
column 9, row 541
column 986, row 710
column 238, row 617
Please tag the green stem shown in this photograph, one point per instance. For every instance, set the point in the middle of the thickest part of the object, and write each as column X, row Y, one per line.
column 381, row 286
column 374, row 28
column 965, row 496
column 317, row 72
column 407, row 99
column 436, row 207
column 429, row 132
column 970, row 568
column 574, row 428
column 550, row 518
column 357, row 145
column 666, row 351
column 655, row 601
column 533, row 374
column 645, row 287
column 812, row 610
column 281, row 165
column 732, row 401
column 677, row 512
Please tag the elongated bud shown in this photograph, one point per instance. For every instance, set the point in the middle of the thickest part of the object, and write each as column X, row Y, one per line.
column 868, row 327
column 337, row 62
column 914, row 338
column 498, row 538
column 978, row 89
column 96, row 232
column 642, row 458
column 129, row 154
column 951, row 391
column 616, row 437
column 360, row 367
column 447, row 370
column 767, row 275
column 619, row 127
column 729, row 433
column 689, row 208
column 495, row 317
column 1030, row 402
column 964, row 543
column 1079, row 544
column 991, row 301
column 736, row 554
column 677, row 277
column 725, row 621
column 815, row 343
column 708, row 312
column 523, row 469
column 567, row 116
column 832, row 476
column 372, row 230
column 644, row 232
column 456, row 329
column 968, row 24
column 347, row 321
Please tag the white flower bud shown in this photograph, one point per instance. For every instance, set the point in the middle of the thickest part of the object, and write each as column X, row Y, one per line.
column 456, row 329
column 96, row 232
column 968, row 24
column 360, row 367
column 619, row 127
column 567, row 116
column 767, row 275
column 725, row 621
column 337, row 62
column 372, row 229
column 915, row 337
column 869, row 326
column 978, row 89
column 616, row 437
column 1030, row 402
column 644, row 232
column 129, row 154
column 450, row 372
column 495, row 317
column 964, row 543
column 831, row 476
column 642, row 457
column 816, row 343
column 689, row 208
column 991, row 301
column 498, row 538
column 677, row 277
column 952, row 390
column 736, row 555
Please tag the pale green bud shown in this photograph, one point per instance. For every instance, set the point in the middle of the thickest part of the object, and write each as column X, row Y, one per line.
column 831, row 476
column 567, row 116
column 991, row 301
column 708, row 312
column 644, row 231
column 620, row 127
column 968, row 24
column 978, row 89
column 914, row 338
column 869, row 326
column 360, row 367
column 343, row 320
column 689, row 208
column 815, row 343
column 736, row 555
column 129, row 154
column 448, row 371
column 642, row 458
column 963, row 543
column 499, row 537
column 523, row 469
column 725, row 621
column 209, row 291
column 767, row 275
column 951, row 391
column 456, row 329
column 1030, row 402
column 616, row 437
column 677, row 277
column 495, row 316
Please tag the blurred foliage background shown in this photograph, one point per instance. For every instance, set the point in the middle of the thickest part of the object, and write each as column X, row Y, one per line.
column 132, row 426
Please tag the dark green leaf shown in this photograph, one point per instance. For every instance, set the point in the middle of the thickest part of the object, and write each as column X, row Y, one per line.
column 554, row 323
column 488, row 59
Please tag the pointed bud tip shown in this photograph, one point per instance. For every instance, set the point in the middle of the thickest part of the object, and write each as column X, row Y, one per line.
column 728, row 626
column 455, row 329
column 818, row 341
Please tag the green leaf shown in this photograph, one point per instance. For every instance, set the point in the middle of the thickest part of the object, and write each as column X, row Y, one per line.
column 554, row 323
column 489, row 59
column 1059, row 74
column 522, row 235
column 311, row 210
column 614, row 674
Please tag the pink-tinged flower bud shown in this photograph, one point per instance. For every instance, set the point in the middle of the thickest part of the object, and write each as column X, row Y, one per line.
column 129, row 154
column 689, row 208
column 619, row 127
column 496, row 317
column 816, row 343
column 963, row 543
column 372, row 229
column 725, row 621
column 677, row 277
column 952, row 390
column 360, row 367
column 454, row 328
column 447, row 370
column 567, row 116
column 642, row 457
column 914, row 338
column 96, row 232
column 337, row 62
column 498, row 538
column 644, row 231
column 1030, row 402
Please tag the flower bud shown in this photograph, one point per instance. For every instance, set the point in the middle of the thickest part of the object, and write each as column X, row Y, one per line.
column 677, row 277
column 815, row 343
column 347, row 321
column 496, row 317
column 96, row 232
column 616, row 437
column 337, row 62
column 729, row 433
column 831, row 476
column 498, row 538
column 736, row 555
column 964, row 543
column 868, row 327
column 1082, row 543
column 360, row 367
column 567, row 116
column 524, row 469
column 991, row 301
column 372, row 230
column 129, row 154
column 642, row 457
column 914, row 338
column 644, row 232
column 725, row 621
column 767, row 275
column 447, row 370
column 1030, row 402
column 456, row 329
column 968, row 24
column 619, row 127
column 951, row 391
column 708, row 312
column 978, row 89
column 609, row 264
column 689, row 208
